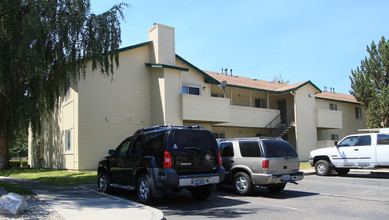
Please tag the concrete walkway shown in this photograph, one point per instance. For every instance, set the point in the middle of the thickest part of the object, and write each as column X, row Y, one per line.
column 85, row 202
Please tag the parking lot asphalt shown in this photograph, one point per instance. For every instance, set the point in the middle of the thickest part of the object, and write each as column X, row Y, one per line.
column 85, row 202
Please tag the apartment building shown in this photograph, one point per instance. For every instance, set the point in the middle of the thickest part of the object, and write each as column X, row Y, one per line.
column 154, row 85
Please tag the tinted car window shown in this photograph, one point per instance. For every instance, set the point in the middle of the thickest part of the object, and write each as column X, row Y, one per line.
column 383, row 139
column 249, row 149
column 364, row 140
column 138, row 147
column 278, row 148
column 226, row 149
column 199, row 140
column 121, row 151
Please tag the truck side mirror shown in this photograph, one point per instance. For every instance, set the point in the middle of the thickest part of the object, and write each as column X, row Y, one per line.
column 336, row 143
column 111, row 152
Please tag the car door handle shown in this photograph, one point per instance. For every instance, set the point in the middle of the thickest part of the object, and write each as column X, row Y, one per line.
column 356, row 149
column 231, row 161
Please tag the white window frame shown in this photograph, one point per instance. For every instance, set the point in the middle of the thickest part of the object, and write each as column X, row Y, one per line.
column 188, row 89
column 358, row 113
column 333, row 107
column 68, row 140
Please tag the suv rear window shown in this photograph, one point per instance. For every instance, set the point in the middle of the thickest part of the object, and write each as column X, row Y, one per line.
column 278, row 148
column 249, row 149
column 200, row 139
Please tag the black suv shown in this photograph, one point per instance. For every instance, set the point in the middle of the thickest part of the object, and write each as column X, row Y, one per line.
column 161, row 158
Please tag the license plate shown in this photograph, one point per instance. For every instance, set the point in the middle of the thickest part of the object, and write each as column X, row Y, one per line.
column 198, row 182
column 285, row 178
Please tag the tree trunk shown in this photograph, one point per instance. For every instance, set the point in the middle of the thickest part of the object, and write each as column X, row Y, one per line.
column 4, row 151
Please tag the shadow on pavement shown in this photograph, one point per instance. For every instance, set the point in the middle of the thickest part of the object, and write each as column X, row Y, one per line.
column 183, row 204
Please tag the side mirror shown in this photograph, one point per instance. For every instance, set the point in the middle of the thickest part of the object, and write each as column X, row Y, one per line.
column 111, row 152
column 336, row 143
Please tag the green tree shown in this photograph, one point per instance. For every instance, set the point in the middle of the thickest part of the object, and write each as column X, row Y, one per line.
column 370, row 84
column 45, row 45
column 278, row 79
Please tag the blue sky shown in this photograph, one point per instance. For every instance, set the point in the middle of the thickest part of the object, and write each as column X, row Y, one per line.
column 317, row 40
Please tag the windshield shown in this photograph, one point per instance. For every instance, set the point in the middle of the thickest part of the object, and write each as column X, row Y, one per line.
column 278, row 148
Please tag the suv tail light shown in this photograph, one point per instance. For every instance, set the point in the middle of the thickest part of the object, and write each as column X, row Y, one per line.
column 167, row 160
column 219, row 157
column 265, row 164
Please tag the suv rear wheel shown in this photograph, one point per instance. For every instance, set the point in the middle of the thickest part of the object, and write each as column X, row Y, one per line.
column 323, row 168
column 201, row 192
column 242, row 184
column 144, row 189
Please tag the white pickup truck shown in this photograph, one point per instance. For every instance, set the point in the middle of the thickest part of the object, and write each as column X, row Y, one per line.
column 368, row 150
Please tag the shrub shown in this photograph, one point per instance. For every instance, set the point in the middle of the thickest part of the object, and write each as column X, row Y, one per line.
column 16, row 163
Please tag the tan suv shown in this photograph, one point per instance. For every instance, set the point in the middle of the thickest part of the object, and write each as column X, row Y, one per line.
column 251, row 162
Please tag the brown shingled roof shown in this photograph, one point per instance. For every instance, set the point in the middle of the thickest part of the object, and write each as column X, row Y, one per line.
column 337, row 97
column 255, row 83
column 277, row 87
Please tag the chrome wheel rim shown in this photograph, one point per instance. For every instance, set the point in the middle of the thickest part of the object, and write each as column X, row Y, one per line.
column 321, row 168
column 143, row 189
column 241, row 184
column 102, row 184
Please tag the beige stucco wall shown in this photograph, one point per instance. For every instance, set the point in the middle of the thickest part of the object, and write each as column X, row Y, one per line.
column 350, row 124
column 111, row 110
column 48, row 149
column 305, row 121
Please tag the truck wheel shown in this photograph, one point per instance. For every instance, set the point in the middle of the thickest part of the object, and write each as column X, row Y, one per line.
column 342, row 171
column 276, row 187
column 201, row 192
column 104, row 183
column 144, row 189
column 322, row 168
column 242, row 184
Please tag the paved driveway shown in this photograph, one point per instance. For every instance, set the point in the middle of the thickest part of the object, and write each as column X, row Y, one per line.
column 356, row 196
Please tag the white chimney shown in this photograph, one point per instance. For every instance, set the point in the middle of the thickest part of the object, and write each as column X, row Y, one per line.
column 163, row 44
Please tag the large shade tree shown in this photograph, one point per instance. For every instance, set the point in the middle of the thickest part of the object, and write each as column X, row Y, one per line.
column 45, row 45
column 370, row 84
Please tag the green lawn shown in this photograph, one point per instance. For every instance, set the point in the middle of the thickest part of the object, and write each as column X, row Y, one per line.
column 305, row 166
column 53, row 177
column 10, row 187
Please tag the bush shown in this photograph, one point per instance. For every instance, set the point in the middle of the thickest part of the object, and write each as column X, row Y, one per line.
column 16, row 163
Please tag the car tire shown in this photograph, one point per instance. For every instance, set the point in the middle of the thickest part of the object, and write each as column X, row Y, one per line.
column 242, row 184
column 104, row 183
column 144, row 189
column 201, row 192
column 342, row 171
column 322, row 168
column 276, row 188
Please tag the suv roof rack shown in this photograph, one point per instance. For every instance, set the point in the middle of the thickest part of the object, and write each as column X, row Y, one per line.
column 250, row 138
column 167, row 126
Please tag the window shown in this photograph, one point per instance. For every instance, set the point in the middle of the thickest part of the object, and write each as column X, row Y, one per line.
column 226, row 149
column 193, row 90
column 383, row 139
column 356, row 141
column 68, row 140
column 333, row 107
column 138, row 145
column 249, row 149
column 219, row 135
column 260, row 103
column 121, row 151
column 334, row 137
column 358, row 113
column 279, row 148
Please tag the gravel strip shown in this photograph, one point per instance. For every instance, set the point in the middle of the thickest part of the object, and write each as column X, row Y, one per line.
column 36, row 209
